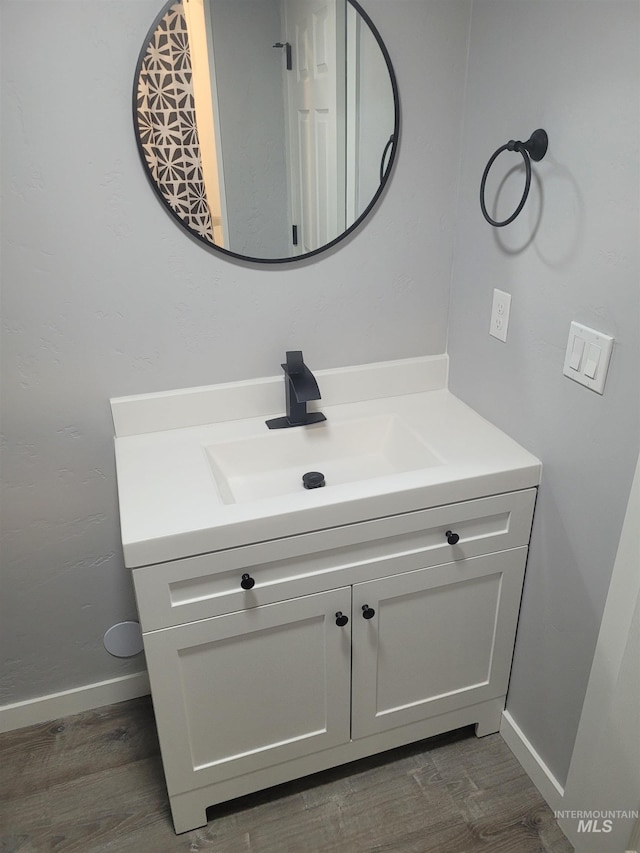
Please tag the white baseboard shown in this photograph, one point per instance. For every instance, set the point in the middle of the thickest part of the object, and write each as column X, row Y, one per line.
column 532, row 763
column 69, row 702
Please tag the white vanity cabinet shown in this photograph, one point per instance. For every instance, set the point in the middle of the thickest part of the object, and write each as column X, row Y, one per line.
column 348, row 641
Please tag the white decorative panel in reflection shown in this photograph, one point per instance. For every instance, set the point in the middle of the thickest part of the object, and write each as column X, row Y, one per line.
column 321, row 40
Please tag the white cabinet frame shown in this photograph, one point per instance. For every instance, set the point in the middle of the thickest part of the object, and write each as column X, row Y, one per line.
column 255, row 687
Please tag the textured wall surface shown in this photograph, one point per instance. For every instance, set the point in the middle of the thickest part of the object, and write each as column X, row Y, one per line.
column 103, row 296
column 573, row 254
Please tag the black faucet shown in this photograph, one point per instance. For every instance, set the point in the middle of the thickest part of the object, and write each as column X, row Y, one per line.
column 300, row 388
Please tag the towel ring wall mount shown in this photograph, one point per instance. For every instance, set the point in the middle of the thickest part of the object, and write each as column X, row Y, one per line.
column 533, row 149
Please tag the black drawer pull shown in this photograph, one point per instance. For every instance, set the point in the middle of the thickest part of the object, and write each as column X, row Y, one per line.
column 452, row 538
column 247, row 581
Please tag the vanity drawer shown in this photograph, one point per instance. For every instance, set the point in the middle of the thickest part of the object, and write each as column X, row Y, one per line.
column 208, row 585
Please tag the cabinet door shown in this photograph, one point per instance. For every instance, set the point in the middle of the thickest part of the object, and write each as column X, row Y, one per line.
column 247, row 690
column 438, row 639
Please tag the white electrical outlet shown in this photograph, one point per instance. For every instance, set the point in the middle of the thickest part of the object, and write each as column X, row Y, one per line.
column 500, row 314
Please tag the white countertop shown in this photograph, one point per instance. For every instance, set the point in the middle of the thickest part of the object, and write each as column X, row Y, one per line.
column 171, row 507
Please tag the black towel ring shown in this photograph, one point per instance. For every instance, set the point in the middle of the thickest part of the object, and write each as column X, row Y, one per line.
column 383, row 161
column 533, row 149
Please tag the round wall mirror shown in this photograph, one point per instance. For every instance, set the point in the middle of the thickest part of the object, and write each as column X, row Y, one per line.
column 267, row 128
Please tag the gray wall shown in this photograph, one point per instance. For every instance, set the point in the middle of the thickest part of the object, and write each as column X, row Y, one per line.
column 572, row 68
column 374, row 114
column 103, row 295
column 252, row 125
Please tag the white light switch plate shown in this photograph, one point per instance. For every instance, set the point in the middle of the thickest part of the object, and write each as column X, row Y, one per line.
column 587, row 357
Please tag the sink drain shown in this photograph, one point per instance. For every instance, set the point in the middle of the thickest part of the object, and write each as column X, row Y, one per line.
column 313, row 480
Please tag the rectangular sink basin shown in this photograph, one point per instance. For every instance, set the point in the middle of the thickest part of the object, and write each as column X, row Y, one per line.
column 272, row 464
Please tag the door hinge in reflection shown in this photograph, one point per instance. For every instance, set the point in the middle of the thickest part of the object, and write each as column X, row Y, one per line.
column 287, row 47
column 294, row 229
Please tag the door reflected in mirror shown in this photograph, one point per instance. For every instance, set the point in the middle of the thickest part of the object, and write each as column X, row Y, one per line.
column 268, row 128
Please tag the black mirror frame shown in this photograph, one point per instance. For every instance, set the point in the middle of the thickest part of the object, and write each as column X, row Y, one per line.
column 392, row 146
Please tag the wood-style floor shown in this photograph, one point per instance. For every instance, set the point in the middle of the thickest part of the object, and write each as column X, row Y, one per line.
column 94, row 782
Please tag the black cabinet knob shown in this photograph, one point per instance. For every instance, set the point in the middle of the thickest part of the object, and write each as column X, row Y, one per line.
column 341, row 619
column 452, row 538
column 247, row 582
column 368, row 612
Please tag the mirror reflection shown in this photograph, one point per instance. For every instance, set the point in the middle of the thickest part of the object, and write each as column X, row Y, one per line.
column 267, row 127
